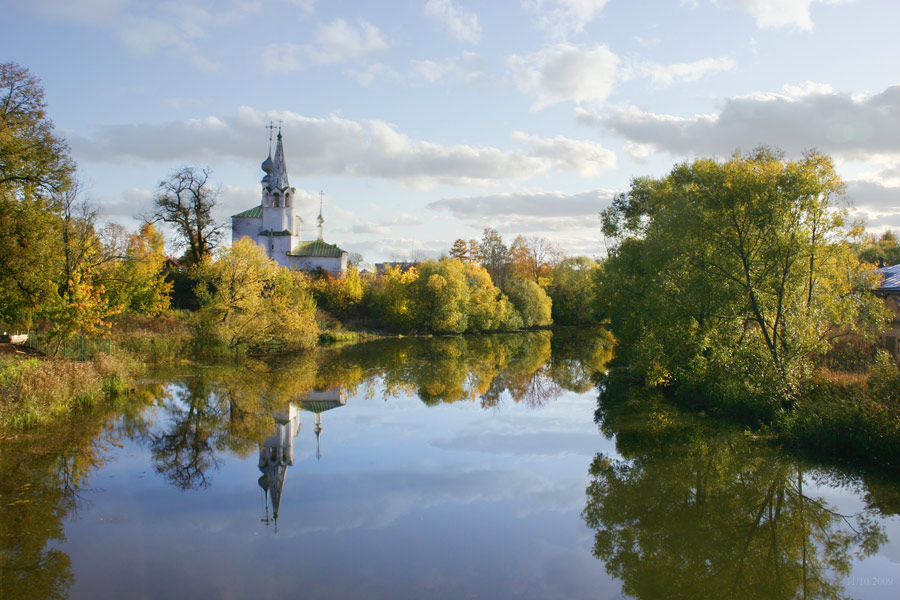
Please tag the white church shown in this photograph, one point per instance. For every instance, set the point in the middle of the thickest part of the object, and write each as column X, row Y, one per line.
column 275, row 226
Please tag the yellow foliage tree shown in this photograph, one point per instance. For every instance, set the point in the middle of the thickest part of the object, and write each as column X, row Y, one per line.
column 247, row 300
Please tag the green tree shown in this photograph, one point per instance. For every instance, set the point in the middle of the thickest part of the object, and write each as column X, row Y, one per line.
column 692, row 509
column 388, row 298
column 494, row 254
column 248, row 301
column 735, row 276
column 34, row 167
column 572, row 291
column 440, row 295
column 33, row 161
column 884, row 249
column 185, row 201
column 530, row 301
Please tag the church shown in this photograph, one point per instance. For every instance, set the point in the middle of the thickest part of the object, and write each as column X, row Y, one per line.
column 275, row 226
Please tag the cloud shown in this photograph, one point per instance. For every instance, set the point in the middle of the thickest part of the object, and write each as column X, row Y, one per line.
column 404, row 218
column 671, row 74
column 874, row 197
column 582, row 157
column 336, row 42
column 335, row 146
column 339, row 41
column 835, row 123
column 525, row 203
column 462, row 25
column 562, row 18
column 564, row 73
column 467, row 69
column 774, row 14
column 147, row 28
column 283, row 57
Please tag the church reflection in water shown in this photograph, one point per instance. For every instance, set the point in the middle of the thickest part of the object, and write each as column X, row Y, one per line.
column 276, row 453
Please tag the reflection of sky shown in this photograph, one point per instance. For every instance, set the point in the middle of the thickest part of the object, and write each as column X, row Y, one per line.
column 407, row 501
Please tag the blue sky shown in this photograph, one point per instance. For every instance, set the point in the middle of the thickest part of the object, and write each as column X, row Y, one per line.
column 428, row 120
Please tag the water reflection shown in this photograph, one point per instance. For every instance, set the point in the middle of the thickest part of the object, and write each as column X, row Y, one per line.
column 276, row 452
column 696, row 509
column 41, row 477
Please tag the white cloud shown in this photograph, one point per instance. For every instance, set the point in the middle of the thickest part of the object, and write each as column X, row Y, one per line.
column 283, row 57
column 526, row 203
column 336, row 42
column 565, row 72
column 465, row 69
column 835, row 123
column 462, row 24
column 774, row 14
column 562, row 18
column 367, row 74
column 315, row 146
column 340, row 41
column 810, row 88
column 671, row 74
column 147, row 28
column 404, row 219
column 583, row 157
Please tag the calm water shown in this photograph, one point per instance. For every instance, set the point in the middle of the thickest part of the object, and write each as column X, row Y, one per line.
column 444, row 468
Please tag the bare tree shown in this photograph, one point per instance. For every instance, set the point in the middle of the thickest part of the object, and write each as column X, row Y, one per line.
column 185, row 201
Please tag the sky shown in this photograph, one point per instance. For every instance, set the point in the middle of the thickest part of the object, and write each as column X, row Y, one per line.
column 424, row 121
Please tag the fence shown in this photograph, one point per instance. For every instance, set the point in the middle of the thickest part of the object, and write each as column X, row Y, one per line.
column 76, row 348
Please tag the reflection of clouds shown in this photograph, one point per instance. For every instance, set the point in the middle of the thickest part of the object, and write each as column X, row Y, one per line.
column 374, row 500
column 541, row 443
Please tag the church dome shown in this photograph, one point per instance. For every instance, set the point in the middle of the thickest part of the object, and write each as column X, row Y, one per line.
column 268, row 164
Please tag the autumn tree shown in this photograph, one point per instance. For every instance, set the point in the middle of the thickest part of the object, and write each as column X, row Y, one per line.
column 533, row 259
column 466, row 251
column 137, row 281
column 185, row 201
column 735, row 275
column 248, row 301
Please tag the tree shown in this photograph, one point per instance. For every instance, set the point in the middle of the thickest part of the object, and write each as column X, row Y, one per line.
column 493, row 254
column 137, row 282
column 533, row 258
column 185, row 201
column 248, row 301
column 466, row 251
column 735, row 276
column 33, row 161
column 34, row 166
column 572, row 291
column 530, row 301
column 881, row 250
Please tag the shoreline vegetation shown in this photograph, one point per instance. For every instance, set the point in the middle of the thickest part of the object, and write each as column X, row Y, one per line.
column 734, row 286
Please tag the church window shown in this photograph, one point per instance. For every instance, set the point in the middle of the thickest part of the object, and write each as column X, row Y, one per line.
column 276, row 201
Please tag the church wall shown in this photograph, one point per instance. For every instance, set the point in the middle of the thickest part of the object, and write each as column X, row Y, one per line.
column 245, row 227
column 335, row 266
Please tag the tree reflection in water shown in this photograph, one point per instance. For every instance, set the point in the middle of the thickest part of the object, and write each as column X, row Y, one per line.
column 41, row 475
column 696, row 509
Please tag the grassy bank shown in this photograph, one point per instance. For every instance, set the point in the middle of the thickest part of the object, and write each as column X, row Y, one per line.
column 35, row 390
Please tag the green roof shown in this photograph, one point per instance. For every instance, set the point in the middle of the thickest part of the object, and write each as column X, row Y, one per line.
column 252, row 213
column 320, row 406
column 317, row 248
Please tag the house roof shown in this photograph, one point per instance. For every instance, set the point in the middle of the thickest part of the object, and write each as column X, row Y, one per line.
column 317, row 249
column 251, row 213
column 890, row 278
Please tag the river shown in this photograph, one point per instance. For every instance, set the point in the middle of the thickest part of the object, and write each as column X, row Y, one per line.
column 496, row 466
